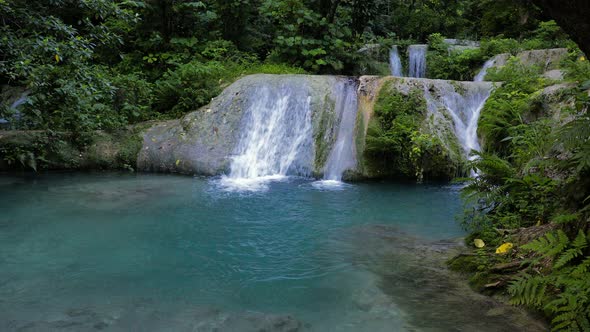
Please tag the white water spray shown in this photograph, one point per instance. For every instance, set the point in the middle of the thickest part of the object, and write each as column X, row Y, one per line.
column 276, row 138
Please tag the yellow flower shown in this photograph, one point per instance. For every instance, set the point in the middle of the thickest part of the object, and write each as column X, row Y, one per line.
column 57, row 58
column 478, row 243
column 582, row 58
column 504, row 248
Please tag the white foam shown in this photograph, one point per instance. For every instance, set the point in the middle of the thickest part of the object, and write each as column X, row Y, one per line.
column 255, row 184
column 329, row 185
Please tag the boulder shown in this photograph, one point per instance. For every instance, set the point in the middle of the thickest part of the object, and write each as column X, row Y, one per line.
column 203, row 142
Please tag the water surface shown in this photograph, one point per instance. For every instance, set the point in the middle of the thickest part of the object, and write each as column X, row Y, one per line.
column 152, row 252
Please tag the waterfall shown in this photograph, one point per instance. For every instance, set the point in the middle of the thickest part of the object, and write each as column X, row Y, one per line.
column 395, row 62
column 417, row 60
column 484, row 70
column 21, row 100
column 276, row 137
column 464, row 109
column 24, row 97
column 343, row 154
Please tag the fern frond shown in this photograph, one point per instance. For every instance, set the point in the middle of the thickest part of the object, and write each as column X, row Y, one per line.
column 578, row 245
column 581, row 241
column 549, row 245
column 528, row 290
column 582, row 269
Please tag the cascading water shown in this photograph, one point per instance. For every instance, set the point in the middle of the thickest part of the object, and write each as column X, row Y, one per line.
column 14, row 107
column 276, row 137
column 484, row 70
column 417, row 54
column 343, row 154
column 395, row 62
column 463, row 108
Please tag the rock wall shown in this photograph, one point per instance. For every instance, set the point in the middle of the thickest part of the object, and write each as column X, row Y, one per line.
column 548, row 59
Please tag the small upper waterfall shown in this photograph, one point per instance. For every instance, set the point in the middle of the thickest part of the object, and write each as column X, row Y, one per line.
column 343, row 154
column 484, row 70
column 24, row 97
column 276, row 136
column 417, row 55
column 395, row 62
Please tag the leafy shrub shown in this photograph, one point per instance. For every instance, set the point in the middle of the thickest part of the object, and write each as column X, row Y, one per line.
column 504, row 109
column 133, row 97
column 445, row 63
column 534, row 172
column 188, row 87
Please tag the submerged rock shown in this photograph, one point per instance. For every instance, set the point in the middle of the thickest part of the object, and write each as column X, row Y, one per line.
column 413, row 274
column 152, row 316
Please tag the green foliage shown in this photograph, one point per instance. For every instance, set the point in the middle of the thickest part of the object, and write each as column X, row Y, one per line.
column 194, row 84
column 106, row 64
column 188, row 87
column 324, row 45
column 550, row 245
column 394, row 140
column 40, row 150
column 446, row 63
column 577, row 68
column 501, row 125
column 563, row 291
column 499, row 45
column 534, row 172
column 133, row 97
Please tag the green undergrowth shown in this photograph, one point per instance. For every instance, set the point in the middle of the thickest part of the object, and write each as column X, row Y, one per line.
column 530, row 203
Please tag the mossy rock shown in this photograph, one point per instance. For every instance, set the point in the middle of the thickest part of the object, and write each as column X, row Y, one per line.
column 404, row 141
column 116, row 150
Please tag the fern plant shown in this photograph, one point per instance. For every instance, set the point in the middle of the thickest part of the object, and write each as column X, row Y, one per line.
column 564, row 293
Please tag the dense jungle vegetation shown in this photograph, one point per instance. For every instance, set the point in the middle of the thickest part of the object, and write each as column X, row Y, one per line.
column 103, row 64
column 93, row 65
